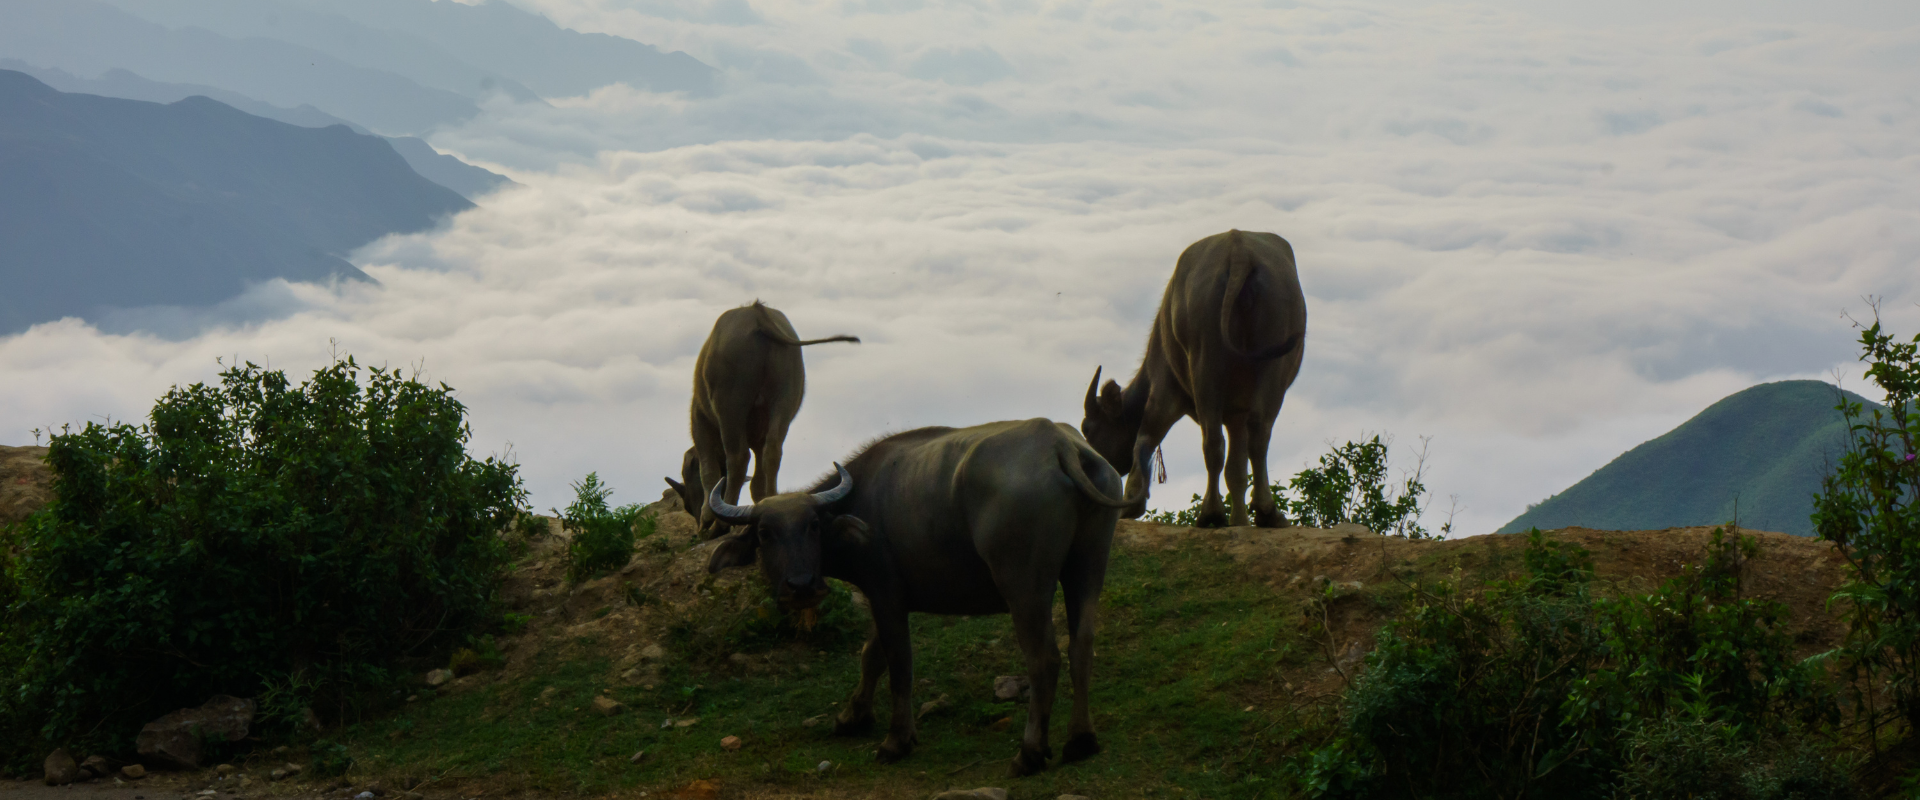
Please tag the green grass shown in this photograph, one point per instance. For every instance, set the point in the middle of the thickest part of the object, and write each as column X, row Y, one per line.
column 1186, row 644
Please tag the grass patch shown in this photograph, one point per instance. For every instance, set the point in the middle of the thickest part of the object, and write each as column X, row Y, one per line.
column 1186, row 644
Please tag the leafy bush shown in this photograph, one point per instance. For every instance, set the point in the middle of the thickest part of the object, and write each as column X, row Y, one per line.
column 602, row 538
column 249, row 531
column 1869, row 506
column 1350, row 485
column 1534, row 688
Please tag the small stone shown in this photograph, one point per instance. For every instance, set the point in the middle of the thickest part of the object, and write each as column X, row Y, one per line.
column 96, row 766
column 812, row 721
column 937, row 704
column 133, row 772
column 653, row 652
column 60, row 768
column 607, row 706
column 638, row 757
column 363, row 796
column 293, row 769
column 277, row 774
column 439, row 677
column 731, row 743
column 824, row 766
column 982, row 793
column 226, row 769
column 687, row 723
column 1008, row 688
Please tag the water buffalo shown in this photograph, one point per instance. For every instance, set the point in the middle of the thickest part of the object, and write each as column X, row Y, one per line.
column 1224, row 348
column 747, row 386
column 980, row 520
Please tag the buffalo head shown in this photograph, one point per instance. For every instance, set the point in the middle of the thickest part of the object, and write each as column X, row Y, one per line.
column 1108, row 425
column 785, row 534
column 689, row 491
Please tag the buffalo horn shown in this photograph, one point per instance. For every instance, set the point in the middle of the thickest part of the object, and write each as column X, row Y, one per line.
column 838, row 491
column 1093, row 394
column 728, row 513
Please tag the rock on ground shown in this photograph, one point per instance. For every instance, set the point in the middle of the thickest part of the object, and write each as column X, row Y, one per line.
column 61, row 769
column 133, row 772
column 1008, row 688
column 607, row 706
column 982, row 793
column 175, row 738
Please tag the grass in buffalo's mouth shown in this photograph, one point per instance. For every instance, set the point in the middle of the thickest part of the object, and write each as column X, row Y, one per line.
column 1187, row 644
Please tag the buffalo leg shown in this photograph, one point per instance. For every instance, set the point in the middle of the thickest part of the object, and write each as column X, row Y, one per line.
column 1266, row 508
column 766, row 461
column 857, row 717
column 1085, row 573
column 1159, row 418
column 713, row 469
column 1237, row 468
column 1033, row 629
column 1213, row 446
column 890, row 624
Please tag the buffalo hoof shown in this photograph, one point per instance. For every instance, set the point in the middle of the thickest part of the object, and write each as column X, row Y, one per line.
column 1081, row 747
column 1028, row 762
column 893, row 750
column 1216, row 519
column 1269, row 519
column 849, row 724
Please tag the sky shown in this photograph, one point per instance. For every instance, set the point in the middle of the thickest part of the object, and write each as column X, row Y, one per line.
column 1533, row 234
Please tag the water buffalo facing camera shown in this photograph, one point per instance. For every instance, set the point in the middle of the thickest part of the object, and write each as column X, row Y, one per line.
column 981, row 520
column 747, row 386
column 1223, row 350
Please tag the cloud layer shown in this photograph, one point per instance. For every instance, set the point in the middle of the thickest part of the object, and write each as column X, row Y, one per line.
column 1538, row 245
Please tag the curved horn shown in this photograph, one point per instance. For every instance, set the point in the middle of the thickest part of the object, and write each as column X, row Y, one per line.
column 731, row 514
column 1093, row 394
column 838, row 491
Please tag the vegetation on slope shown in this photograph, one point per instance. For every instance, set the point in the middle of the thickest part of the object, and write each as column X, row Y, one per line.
column 1757, row 455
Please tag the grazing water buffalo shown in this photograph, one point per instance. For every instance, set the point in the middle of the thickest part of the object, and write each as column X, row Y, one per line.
column 1224, row 348
column 747, row 387
column 981, row 520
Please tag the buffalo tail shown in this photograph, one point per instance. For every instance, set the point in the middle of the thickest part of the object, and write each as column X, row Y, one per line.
column 1070, row 464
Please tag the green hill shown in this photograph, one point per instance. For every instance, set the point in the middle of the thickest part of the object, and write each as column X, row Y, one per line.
column 1766, row 447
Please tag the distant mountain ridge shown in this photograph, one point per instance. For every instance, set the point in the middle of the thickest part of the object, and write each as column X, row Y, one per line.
column 470, row 181
column 118, row 203
column 450, row 45
column 88, row 37
column 1760, row 453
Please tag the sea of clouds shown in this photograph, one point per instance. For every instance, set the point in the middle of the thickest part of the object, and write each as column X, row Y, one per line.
column 1539, row 243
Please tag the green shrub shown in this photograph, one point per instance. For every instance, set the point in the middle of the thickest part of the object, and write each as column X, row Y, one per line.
column 742, row 616
column 1350, row 485
column 602, row 538
column 248, row 532
column 1869, row 506
column 1534, row 688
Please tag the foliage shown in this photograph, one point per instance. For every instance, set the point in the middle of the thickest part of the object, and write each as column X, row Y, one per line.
column 602, row 538
column 1350, row 485
column 1534, row 688
column 1869, row 506
column 248, row 532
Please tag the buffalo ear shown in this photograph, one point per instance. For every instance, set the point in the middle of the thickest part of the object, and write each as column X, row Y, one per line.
column 852, row 530
column 1110, row 401
column 739, row 550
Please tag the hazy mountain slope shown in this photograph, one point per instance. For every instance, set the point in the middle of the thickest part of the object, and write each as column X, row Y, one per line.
column 496, row 36
column 345, row 39
column 88, row 37
column 467, row 179
column 107, row 202
column 1767, row 446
